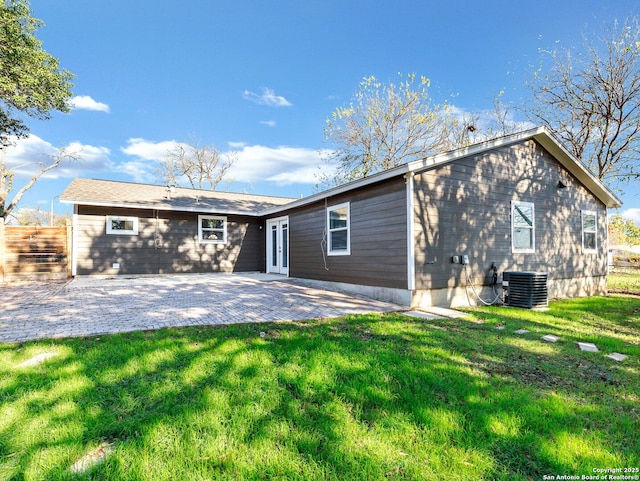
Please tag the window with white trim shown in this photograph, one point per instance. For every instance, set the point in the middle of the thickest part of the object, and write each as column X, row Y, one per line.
column 589, row 226
column 212, row 229
column 523, row 227
column 338, row 231
column 122, row 225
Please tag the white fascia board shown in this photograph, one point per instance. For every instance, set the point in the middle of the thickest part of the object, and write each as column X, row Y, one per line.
column 544, row 138
column 372, row 179
column 578, row 169
column 157, row 207
column 415, row 166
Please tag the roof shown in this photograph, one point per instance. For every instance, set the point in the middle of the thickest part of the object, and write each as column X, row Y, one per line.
column 125, row 194
column 539, row 134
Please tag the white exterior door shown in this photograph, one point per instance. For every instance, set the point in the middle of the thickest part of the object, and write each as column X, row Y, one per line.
column 278, row 245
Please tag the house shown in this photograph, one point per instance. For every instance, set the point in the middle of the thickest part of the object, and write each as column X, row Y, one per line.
column 437, row 231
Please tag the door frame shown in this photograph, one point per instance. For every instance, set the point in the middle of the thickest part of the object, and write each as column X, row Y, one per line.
column 282, row 263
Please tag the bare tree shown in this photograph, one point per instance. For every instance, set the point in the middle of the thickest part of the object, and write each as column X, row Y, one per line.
column 30, row 216
column 7, row 175
column 386, row 125
column 590, row 98
column 201, row 166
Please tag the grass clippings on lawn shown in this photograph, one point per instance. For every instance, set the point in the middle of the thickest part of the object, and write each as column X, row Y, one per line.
column 361, row 397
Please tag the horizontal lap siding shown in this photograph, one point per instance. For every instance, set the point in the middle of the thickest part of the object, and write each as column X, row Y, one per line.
column 465, row 208
column 176, row 249
column 378, row 238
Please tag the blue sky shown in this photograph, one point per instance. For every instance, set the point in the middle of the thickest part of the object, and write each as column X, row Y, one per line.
column 261, row 77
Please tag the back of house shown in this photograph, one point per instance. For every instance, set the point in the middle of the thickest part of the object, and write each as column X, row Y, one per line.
column 438, row 231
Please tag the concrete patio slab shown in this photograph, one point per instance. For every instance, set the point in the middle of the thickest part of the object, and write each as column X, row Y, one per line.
column 587, row 346
column 616, row 356
column 550, row 338
column 421, row 315
column 93, row 306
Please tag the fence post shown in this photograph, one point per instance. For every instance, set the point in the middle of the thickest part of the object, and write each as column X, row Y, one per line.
column 69, row 248
column 2, row 244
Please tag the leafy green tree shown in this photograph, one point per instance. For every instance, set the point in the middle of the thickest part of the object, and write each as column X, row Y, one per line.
column 31, row 82
column 623, row 231
column 590, row 98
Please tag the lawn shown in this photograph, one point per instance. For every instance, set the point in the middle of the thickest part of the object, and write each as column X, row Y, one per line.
column 355, row 398
column 624, row 280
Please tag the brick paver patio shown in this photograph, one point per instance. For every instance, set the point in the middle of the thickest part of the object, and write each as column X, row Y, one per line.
column 90, row 306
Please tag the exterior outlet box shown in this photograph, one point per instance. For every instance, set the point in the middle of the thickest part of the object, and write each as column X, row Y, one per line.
column 464, row 260
column 455, row 259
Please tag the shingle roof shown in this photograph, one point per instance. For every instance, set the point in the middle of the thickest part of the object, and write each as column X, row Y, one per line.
column 126, row 194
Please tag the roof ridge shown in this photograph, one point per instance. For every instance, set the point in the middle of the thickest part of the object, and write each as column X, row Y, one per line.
column 189, row 189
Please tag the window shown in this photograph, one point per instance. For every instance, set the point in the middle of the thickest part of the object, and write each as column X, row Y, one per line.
column 589, row 223
column 122, row 225
column 212, row 230
column 523, row 227
column 339, row 240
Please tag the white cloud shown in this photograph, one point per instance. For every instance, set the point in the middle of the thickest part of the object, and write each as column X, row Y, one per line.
column 268, row 98
column 140, row 171
column 149, row 155
column 27, row 156
column 147, row 149
column 268, row 123
column 85, row 102
column 631, row 214
column 87, row 158
column 282, row 165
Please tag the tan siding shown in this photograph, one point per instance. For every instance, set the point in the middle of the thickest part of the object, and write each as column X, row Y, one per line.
column 465, row 208
column 175, row 250
column 378, row 238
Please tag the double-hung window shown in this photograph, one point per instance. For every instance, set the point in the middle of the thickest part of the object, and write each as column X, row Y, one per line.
column 212, row 229
column 523, row 227
column 338, row 235
column 589, row 223
column 122, row 225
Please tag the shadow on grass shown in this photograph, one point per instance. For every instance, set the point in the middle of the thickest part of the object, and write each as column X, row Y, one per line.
column 363, row 397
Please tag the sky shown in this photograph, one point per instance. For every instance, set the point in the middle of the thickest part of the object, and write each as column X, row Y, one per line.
column 260, row 78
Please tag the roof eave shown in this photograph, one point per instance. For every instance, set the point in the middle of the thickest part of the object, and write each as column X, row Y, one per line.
column 125, row 205
column 578, row 169
column 325, row 194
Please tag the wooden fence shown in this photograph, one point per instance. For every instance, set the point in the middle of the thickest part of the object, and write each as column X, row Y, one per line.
column 34, row 252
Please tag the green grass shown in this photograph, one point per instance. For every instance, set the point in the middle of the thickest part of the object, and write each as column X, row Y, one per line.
column 624, row 280
column 355, row 398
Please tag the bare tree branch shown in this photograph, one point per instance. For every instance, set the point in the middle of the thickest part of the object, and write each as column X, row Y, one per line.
column 6, row 180
column 200, row 166
column 591, row 100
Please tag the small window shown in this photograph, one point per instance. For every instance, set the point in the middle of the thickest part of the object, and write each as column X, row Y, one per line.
column 339, row 239
column 212, row 230
column 523, row 227
column 589, row 223
column 122, row 225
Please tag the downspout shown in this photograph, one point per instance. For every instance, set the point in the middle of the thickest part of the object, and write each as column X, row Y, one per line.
column 411, row 253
